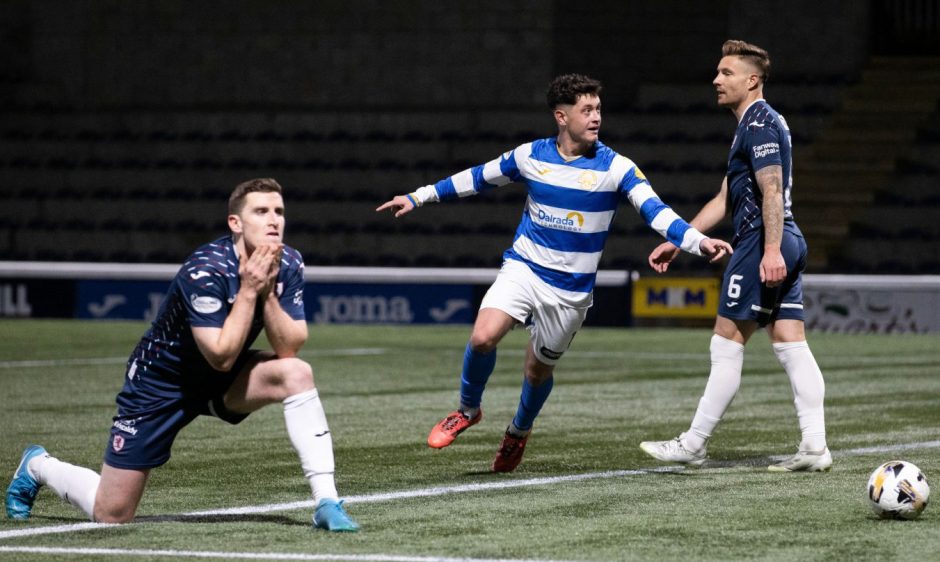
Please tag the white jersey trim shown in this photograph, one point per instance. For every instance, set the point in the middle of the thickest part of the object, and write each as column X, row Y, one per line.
column 571, row 262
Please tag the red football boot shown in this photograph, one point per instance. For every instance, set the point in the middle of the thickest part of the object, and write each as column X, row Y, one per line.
column 509, row 454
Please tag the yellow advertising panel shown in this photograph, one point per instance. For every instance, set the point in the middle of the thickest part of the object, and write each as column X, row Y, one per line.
column 675, row 297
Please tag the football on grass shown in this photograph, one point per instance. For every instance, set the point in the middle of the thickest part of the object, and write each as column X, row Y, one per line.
column 898, row 490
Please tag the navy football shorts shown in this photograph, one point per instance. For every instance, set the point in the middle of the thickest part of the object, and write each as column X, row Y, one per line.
column 744, row 297
column 142, row 438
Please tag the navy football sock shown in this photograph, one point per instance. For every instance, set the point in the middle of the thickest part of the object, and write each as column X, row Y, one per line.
column 530, row 403
column 477, row 368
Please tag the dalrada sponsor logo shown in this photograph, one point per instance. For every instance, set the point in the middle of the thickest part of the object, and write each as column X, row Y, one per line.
column 572, row 221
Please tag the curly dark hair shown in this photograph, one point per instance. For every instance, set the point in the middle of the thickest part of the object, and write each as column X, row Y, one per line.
column 567, row 88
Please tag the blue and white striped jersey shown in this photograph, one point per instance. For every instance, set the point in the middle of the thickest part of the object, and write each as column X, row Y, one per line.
column 569, row 209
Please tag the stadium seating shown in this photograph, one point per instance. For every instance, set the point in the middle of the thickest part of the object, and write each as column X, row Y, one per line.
column 136, row 186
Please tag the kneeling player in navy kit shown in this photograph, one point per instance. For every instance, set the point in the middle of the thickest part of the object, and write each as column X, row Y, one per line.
column 196, row 360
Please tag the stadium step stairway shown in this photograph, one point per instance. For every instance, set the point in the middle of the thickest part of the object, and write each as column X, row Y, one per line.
column 858, row 153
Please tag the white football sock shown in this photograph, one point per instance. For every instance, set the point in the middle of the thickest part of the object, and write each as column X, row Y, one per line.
column 310, row 435
column 809, row 390
column 723, row 382
column 516, row 432
column 75, row 484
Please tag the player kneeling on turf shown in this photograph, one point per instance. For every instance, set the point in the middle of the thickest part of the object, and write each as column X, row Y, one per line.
column 196, row 360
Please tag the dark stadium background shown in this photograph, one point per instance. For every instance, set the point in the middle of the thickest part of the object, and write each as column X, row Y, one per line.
column 124, row 125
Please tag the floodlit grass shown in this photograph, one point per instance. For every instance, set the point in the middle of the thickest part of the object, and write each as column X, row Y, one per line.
column 384, row 387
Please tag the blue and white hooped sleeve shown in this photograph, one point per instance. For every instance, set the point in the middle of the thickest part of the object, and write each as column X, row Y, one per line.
column 658, row 215
column 471, row 181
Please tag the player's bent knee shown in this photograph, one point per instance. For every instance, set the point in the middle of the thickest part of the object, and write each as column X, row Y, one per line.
column 483, row 342
column 297, row 376
column 114, row 514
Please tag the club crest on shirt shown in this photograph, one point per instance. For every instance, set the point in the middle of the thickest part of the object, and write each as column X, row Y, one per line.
column 587, row 179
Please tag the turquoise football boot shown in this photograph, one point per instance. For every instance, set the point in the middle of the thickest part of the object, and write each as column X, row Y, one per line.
column 23, row 489
column 331, row 516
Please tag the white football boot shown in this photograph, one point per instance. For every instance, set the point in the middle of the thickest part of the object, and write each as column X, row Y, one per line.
column 808, row 461
column 673, row 451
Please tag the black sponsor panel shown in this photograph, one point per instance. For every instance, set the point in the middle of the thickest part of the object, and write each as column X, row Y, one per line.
column 37, row 298
column 611, row 307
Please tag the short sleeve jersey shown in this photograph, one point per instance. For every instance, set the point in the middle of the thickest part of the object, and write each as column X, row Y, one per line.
column 762, row 139
column 167, row 360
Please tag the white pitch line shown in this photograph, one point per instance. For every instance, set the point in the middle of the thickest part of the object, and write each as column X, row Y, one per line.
column 368, row 498
column 52, row 529
column 886, row 449
column 428, row 492
column 435, row 491
column 342, row 352
column 251, row 555
column 871, row 450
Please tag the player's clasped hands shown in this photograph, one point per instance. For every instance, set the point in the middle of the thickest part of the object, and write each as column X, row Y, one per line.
column 259, row 271
column 400, row 205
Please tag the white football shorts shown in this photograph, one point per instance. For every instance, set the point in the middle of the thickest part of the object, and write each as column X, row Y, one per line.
column 519, row 293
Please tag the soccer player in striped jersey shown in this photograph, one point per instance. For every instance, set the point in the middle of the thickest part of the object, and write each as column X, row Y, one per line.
column 762, row 284
column 196, row 359
column 575, row 184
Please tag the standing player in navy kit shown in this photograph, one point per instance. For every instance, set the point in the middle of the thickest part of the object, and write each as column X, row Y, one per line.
column 196, row 360
column 762, row 284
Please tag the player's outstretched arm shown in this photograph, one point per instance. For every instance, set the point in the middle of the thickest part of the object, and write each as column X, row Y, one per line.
column 400, row 205
column 471, row 181
column 707, row 218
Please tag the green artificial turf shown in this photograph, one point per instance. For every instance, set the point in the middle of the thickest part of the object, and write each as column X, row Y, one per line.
column 385, row 387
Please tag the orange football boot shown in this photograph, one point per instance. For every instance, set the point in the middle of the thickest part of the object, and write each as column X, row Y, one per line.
column 450, row 427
